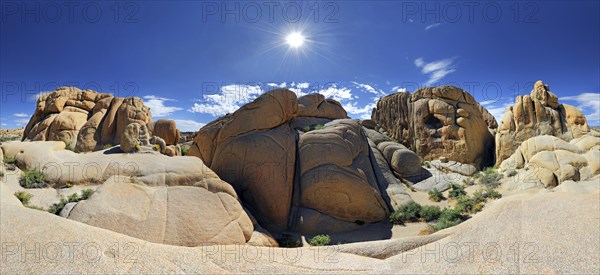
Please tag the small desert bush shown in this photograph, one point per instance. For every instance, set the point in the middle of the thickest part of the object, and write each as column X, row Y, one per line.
column 32, row 179
column 469, row 205
column 511, row 173
column 306, row 129
column 436, row 195
column 456, row 191
column 35, row 207
column 426, row 164
column 24, row 197
column 448, row 218
column 10, row 160
column 86, row 194
column 320, row 240
column 490, row 177
column 408, row 212
column 55, row 208
column 319, row 127
column 106, row 146
column 493, row 194
column 430, row 213
column 289, row 242
column 185, row 150
column 1, row 174
column 469, row 181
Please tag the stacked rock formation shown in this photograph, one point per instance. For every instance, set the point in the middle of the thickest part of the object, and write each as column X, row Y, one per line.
column 552, row 160
column 87, row 121
column 297, row 163
column 538, row 113
column 439, row 121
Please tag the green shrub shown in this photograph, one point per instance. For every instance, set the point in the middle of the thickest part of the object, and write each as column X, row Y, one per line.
column 408, row 212
column 55, row 208
column 493, row 194
column 448, row 218
column 456, row 191
column 430, row 212
column 24, row 197
column 106, row 146
column 320, row 240
column 466, row 205
column 511, row 173
column 436, row 195
column 469, row 181
column 306, row 129
column 69, row 145
column 490, row 177
column 185, row 150
column 32, row 179
column 73, row 198
column 319, row 127
column 426, row 164
column 156, row 147
column 1, row 174
column 86, row 194
column 289, row 241
column 10, row 160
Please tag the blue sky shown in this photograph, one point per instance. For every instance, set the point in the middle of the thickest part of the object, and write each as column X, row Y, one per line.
column 194, row 61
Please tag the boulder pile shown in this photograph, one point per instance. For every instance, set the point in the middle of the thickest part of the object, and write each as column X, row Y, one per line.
column 87, row 121
column 439, row 122
column 536, row 114
column 296, row 168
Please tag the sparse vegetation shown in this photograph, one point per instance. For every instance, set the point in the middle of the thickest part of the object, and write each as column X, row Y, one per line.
column 469, row 181
column 55, row 208
column 185, row 150
column 490, row 177
column 10, row 160
column 456, row 191
column 426, row 163
column 306, row 129
column 320, row 240
column 106, row 146
column 511, row 173
column 1, row 174
column 32, row 179
column 469, row 205
column 24, row 197
column 69, row 145
column 156, row 147
column 86, row 194
column 35, row 207
column 289, row 242
column 408, row 212
column 436, row 195
column 319, row 127
column 430, row 213
column 448, row 218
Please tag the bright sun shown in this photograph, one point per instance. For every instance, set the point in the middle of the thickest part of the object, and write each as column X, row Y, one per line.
column 295, row 39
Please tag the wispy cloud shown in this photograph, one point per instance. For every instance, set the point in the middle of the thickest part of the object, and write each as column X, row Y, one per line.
column 435, row 69
column 496, row 110
column 589, row 103
column 428, row 27
column 187, row 125
column 21, row 115
column 21, row 122
column 157, row 106
column 227, row 100
column 369, row 88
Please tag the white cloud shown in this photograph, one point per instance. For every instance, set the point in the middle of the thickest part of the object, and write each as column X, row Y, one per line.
column 21, row 115
column 428, row 27
column 303, row 85
column 339, row 94
column 589, row 103
column 228, row 100
column 497, row 111
column 157, row 106
column 360, row 112
column 435, row 69
column 368, row 88
column 186, row 125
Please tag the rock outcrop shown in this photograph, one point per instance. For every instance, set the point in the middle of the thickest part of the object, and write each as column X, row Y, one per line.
column 292, row 166
column 176, row 201
column 551, row 160
column 536, row 114
column 87, row 120
column 439, row 121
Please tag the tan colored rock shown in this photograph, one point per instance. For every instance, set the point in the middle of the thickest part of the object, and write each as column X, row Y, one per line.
column 132, row 110
column 534, row 115
column 316, row 105
column 439, row 121
column 130, row 139
column 337, row 178
column 191, row 216
column 65, row 127
column 167, row 130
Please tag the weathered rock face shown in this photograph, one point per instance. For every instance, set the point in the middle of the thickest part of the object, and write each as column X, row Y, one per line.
column 177, row 201
column 537, row 114
column 439, row 121
column 290, row 179
column 552, row 160
column 191, row 216
column 167, row 130
column 87, row 121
